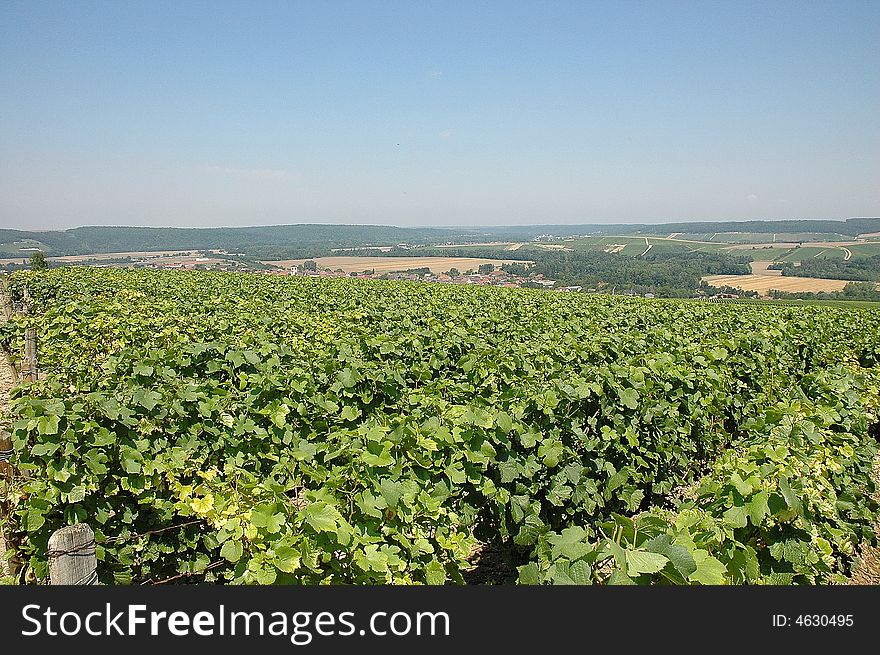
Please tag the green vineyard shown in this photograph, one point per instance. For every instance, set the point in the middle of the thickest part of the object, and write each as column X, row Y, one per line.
column 254, row 429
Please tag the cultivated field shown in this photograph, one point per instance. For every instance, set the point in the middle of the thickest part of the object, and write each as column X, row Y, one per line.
column 762, row 268
column 792, row 244
column 78, row 259
column 636, row 245
column 764, row 283
column 390, row 264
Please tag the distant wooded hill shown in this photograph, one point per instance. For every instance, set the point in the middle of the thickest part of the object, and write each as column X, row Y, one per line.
column 306, row 240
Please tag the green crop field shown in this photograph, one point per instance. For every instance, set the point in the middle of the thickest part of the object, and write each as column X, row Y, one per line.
column 858, row 251
column 867, row 249
column 635, row 246
column 807, row 252
column 242, row 428
column 765, row 237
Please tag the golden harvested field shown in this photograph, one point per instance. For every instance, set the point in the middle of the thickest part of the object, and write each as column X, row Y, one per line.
column 78, row 259
column 390, row 264
column 764, row 283
column 761, row 268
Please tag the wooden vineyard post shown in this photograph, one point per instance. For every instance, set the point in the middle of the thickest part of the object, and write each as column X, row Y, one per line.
column 29, row 368
column 5, row 454
column 6, row 565
column 8, row 315
column 72, row 559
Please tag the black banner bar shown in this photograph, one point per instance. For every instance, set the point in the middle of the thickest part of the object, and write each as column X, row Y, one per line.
column 431, row 619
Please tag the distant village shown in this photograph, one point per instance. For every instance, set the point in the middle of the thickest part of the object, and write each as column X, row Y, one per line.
column 484, row 277
column 217, row 260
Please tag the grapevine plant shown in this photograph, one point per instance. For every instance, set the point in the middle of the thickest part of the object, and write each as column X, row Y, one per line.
column 255, row 429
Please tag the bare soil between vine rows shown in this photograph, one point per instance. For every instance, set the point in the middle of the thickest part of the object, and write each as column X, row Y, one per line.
column 7, row 380
column 866, row 570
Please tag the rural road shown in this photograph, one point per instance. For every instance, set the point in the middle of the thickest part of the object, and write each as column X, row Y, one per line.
column 847, row 255
column 650, row 245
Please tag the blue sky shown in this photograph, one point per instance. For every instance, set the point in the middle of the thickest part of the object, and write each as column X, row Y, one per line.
column 436, row 113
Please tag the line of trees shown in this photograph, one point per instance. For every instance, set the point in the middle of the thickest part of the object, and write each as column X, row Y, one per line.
column 865, row 269
column 852, row 291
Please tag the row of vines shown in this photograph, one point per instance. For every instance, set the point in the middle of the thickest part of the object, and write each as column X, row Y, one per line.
column 239, row 428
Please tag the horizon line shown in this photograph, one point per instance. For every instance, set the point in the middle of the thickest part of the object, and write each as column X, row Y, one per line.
column 441, row 227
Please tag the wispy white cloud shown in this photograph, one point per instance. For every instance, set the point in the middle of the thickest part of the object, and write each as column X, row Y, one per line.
column 751, row 197
column 445, row 134
column 435, row 73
